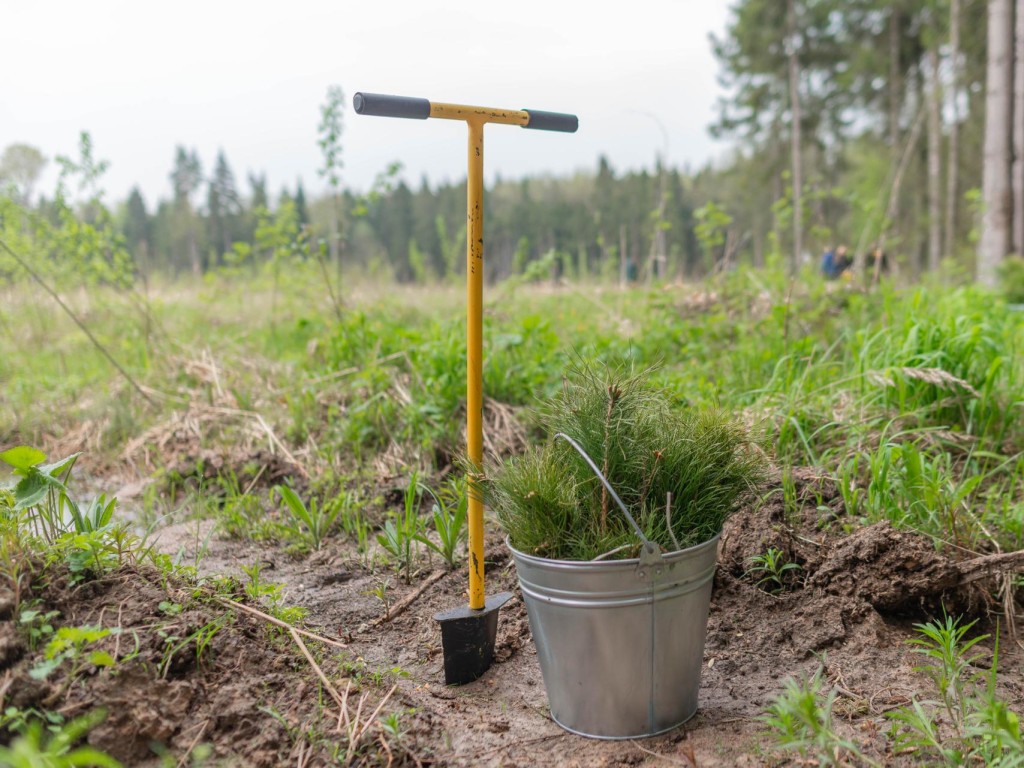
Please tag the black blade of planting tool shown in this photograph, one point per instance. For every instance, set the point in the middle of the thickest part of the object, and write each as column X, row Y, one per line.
column 467, row 638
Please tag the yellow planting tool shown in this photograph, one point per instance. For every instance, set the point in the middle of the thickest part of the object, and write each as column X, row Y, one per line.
column 468, row 633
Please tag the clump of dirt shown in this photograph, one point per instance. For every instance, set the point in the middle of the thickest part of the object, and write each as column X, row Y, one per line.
column 849, row 608
column 893, row 572
column 897, row 572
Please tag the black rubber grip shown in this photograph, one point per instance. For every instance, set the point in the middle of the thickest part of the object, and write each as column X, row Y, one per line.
column 552, row 121
column 390, row 106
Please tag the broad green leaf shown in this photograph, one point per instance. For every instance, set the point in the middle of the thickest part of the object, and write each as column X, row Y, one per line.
column 31, row 490
column 87, row 756
column 43, row 670
column 58, row 468
column 22, row 457
column 102, row 659
column 295, row 504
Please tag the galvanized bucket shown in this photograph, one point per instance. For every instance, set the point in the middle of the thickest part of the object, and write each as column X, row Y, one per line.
column 620, row 643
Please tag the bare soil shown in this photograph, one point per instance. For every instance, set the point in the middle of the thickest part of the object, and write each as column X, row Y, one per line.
column 251, row 696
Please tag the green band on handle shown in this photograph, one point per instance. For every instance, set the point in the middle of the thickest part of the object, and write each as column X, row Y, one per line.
column 552, row 121
column 381, row 105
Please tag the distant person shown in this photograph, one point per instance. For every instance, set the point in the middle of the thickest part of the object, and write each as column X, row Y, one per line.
column 835, row 262
column 632, row 270
column 843, row 259
column 877, row 261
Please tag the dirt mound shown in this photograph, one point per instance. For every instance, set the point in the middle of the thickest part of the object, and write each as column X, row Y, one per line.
column 893, row 572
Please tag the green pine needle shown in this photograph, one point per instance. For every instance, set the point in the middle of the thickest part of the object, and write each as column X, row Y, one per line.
column 552, row 505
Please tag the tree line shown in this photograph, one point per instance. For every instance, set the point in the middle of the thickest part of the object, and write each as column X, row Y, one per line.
column 895, row 124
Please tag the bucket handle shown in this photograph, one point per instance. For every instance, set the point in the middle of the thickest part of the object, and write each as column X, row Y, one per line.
column 650, row 552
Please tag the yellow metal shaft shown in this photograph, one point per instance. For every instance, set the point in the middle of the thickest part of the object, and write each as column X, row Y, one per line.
column 475, row 118
column 475, row 349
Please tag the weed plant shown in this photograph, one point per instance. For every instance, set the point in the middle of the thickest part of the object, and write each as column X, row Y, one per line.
column 800, row 720
column 449, row 512
column 38, row 513
column 680, row 472
column 402, row 531
column 36, row 747
column 967, row 724
column 310, row 524
column 770, row 569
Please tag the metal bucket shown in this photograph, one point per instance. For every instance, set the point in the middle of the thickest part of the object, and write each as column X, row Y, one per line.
column 620, row 643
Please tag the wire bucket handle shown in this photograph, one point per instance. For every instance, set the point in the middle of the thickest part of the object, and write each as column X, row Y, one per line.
column 650, row 553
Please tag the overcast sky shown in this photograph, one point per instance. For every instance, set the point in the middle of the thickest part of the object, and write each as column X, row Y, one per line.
column 249, row 78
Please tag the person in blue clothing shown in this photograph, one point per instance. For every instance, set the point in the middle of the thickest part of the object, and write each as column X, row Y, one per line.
column 828, row 264
column 834, row 263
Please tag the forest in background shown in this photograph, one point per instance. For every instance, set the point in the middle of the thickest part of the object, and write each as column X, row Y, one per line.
column 857, row 122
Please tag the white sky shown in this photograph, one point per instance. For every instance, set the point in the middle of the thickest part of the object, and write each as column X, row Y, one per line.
column 249, row 77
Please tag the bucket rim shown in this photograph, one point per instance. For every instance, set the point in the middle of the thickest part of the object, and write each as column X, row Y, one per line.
column 632, row 562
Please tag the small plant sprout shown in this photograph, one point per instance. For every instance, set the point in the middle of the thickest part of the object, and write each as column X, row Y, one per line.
column 73, row 644
column 201, row 639
column 37, row 625
column 391, row 724
column 256, row 589
column 449, row 513
column 800, row 719
column 402, row 531
column 270, row 594
column 380, row 591
column 311, row 524
column 771, row 567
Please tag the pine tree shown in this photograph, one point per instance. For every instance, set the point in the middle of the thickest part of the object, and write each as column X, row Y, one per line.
column 185, row 180
column 137, row 227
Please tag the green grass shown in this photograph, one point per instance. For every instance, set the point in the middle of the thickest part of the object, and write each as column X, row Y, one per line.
column 911, row 398
column 852, row 382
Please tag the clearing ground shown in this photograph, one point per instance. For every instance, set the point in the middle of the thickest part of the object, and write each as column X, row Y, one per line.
column 249, row 697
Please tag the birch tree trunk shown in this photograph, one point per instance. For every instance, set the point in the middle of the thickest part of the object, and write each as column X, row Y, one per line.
column 895, row 102
column 997, row 190
column 953, row 158
column 933, row 102
column 794, row 102
column 1017, row 184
